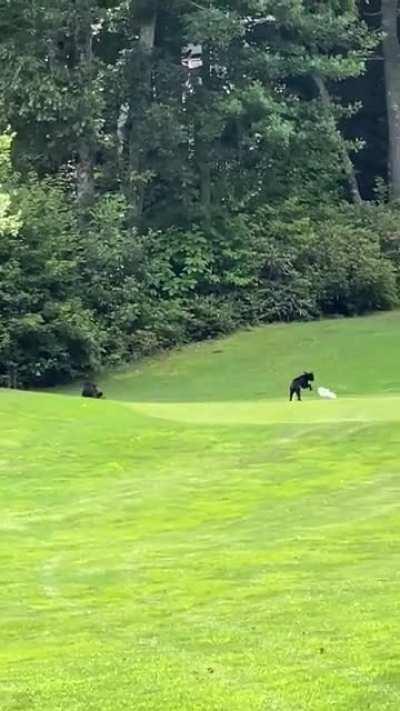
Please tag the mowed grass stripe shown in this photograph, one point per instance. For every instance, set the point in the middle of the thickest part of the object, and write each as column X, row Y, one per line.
column 309, row 411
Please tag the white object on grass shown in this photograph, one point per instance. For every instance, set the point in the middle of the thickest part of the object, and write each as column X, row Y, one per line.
column 326, row 393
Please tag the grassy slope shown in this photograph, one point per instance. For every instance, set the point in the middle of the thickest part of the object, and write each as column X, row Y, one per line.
column 354, row 356
column 218, row 550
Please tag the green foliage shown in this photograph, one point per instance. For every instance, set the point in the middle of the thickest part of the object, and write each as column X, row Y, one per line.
column 46, row 332
column 354, row 275
column 383, row 220
column 321, row 263
column 75, row 298
column 161, row 204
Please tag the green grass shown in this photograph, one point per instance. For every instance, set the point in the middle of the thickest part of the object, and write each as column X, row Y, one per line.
column 354, row 356
column 195, row 542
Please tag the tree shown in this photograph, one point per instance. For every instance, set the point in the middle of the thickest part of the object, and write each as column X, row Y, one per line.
column 52, row 88
column 348, row 166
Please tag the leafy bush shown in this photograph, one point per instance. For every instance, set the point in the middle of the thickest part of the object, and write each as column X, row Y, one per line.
column 354, row 277
column 47, row 334
column 326, row 263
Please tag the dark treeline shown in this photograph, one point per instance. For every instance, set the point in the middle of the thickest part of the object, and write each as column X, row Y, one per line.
column 173, row 169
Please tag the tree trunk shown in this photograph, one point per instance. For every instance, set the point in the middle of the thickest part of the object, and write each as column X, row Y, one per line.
column 346, row 160
column 145, row 19
column 85, row 177
column 391, row 51
column 86, row 141
column 203, row 144
column 205, row 177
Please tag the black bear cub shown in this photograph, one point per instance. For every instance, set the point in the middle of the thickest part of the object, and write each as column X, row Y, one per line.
column 91, row 390
column 302, row 382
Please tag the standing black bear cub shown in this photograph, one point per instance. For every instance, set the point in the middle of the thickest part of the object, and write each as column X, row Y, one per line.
column 302, row 382
column 91, row 390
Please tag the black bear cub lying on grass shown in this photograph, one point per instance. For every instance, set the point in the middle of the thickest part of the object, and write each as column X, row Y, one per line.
column 302, row 382
column 91, row 390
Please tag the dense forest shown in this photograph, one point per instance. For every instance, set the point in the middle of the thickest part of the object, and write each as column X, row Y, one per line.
column 173, row 169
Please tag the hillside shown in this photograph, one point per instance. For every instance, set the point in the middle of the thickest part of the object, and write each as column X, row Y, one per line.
column 197, row 542
column 357, row 356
